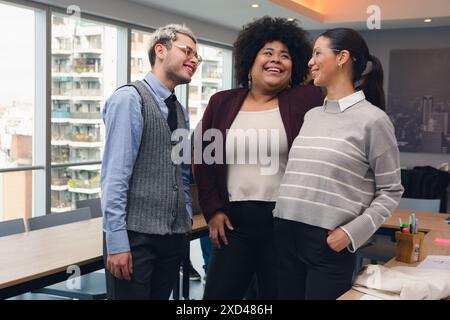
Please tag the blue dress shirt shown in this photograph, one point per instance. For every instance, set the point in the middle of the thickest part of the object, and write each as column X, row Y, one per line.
column 124, row 124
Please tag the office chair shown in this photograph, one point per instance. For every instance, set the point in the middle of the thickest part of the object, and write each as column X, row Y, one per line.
column 92, row 285
column 57, row 219
column 16, row 226
column 93, row 204
column 381, row 248
column 10, row 227
column 430, row 205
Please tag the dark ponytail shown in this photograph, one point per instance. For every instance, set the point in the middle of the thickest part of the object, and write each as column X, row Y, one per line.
column 371, row 82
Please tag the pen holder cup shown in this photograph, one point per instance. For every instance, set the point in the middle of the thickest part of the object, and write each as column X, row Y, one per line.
column 409, row 247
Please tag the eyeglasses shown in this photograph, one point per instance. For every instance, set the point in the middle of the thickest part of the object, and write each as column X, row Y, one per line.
column 190, row 53
column 315, row 53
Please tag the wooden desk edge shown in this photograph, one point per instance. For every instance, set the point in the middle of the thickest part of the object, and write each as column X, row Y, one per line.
column 50, row 272
column 199, row 224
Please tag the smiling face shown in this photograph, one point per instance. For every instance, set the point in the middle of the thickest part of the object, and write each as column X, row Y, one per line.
column 323, row 63
column 272, row 68
column 178, row 67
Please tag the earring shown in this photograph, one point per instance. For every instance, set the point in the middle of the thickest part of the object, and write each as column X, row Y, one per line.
column 340, row 66
column 249, row 80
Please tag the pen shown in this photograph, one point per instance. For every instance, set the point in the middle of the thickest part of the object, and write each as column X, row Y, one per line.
column 410, row 224
column 417, row 225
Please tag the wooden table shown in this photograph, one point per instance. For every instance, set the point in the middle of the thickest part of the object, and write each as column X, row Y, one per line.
column 36, row 259
column 430, row 222
column 427, row 220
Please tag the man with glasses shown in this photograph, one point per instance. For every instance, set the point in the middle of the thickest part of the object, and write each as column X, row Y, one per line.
column 145, row 195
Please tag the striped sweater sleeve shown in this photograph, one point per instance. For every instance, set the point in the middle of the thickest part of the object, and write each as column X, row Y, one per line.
column 385, row 165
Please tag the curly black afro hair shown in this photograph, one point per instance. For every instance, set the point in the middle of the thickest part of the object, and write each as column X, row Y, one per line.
column 256, row 34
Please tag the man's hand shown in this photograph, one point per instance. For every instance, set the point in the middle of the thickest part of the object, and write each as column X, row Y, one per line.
column 120, row 265
column 217, row 228
column 338, row 239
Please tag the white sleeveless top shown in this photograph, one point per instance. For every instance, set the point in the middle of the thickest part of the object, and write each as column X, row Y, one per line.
column 256, row 155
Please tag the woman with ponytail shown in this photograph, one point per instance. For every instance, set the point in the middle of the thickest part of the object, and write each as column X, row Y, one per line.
column 342, row 180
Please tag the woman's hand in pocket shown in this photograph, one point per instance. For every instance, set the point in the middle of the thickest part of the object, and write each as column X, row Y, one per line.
column 338, row 239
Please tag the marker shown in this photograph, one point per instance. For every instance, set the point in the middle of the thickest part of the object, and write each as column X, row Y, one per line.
column 410, row 223
column 417, row 225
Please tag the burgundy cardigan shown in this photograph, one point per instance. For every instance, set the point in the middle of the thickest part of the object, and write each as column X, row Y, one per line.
column 220, row 113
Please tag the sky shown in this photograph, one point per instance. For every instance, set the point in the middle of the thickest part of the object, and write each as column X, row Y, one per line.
column 16, row 54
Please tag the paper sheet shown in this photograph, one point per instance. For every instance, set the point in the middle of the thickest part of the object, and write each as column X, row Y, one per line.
column 372, row 294
column 436, row 262
column 369, row 297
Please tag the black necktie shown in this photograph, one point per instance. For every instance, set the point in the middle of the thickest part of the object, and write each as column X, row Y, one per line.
column 172, row 118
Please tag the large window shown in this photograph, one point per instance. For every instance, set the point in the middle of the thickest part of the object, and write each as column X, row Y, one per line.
column 51, row 127
column 84, row 74
column 213, row 75
column 22, row 126
column 139, row 61
column 17, row 86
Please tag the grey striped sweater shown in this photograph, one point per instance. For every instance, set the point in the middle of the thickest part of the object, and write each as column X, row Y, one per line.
column 343, row 171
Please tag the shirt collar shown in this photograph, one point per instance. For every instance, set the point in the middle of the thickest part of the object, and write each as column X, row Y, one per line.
column 157, row 86
column 349, row 100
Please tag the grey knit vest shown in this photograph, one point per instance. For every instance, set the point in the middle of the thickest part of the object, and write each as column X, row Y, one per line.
column 156, row 195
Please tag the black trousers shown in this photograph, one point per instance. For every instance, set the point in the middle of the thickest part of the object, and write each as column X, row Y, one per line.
column 307, row 267
column 156, row 263
column 250, row 251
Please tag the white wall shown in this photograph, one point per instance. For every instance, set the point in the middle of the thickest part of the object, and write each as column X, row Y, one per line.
column 142, row 15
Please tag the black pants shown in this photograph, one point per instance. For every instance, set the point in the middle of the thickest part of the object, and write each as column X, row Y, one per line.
column 250, row 251
column 156, row 263
column 307, row 267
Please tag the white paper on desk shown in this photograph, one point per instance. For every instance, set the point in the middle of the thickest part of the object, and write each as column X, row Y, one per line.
column 436, row 262
column 406, row 283
column 369, row 297
column 374, row 294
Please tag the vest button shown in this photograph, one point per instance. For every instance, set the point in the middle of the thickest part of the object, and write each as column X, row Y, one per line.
column 174, row 213
column 175, row 188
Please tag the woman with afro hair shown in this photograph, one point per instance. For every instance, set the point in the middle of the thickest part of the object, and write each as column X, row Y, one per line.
column 237, row 198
